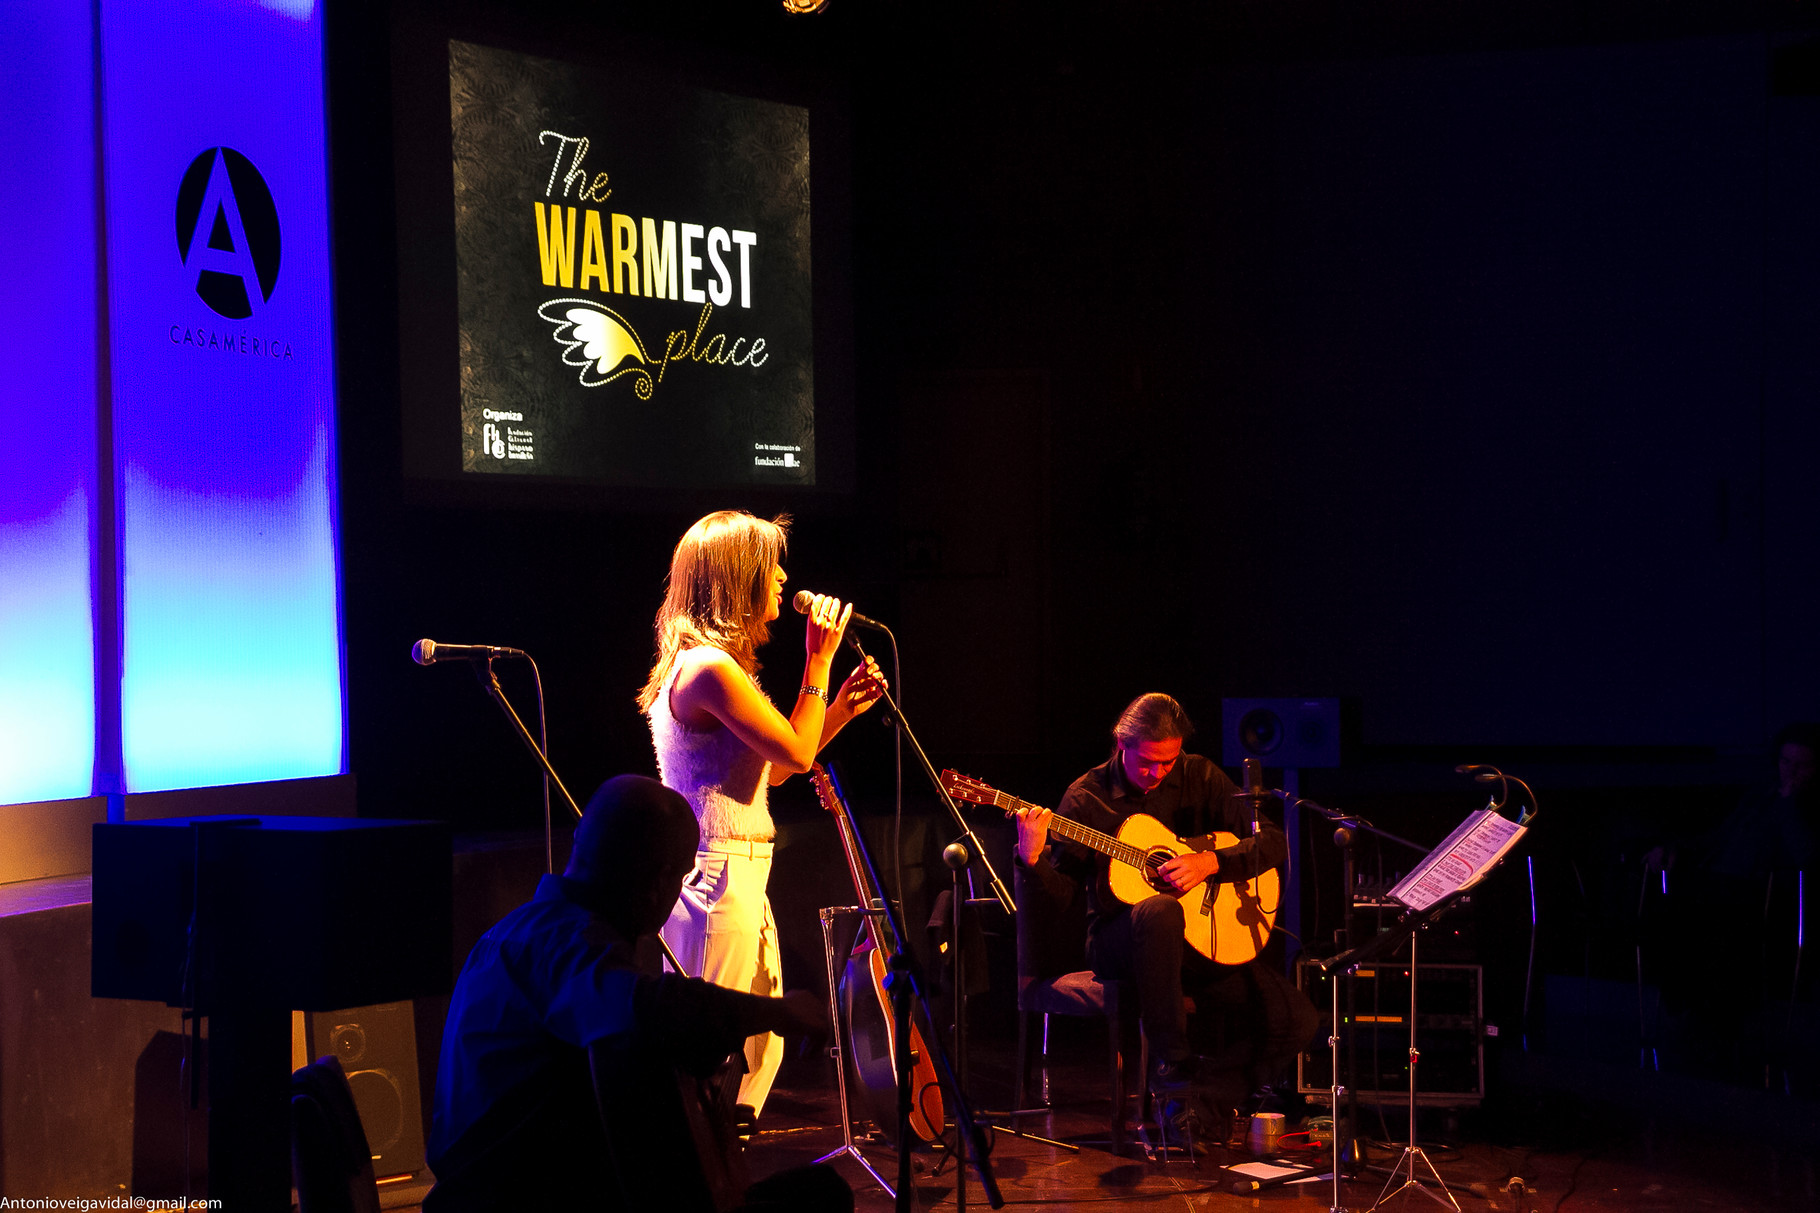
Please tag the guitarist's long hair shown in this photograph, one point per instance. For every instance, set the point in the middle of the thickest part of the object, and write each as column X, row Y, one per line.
column 1151, row 717
column 720, row 577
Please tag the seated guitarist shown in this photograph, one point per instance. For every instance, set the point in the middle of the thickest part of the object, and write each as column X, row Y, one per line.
column 1268, row 1020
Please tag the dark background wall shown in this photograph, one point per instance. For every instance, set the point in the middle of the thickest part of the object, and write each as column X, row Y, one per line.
column 1458, row 360
column 1464, row 368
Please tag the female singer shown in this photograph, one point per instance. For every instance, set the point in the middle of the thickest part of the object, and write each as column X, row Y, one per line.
column 721, row 743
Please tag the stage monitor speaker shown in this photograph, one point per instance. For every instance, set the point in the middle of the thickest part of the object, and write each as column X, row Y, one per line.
column 377, row 1046
column 1296, row 733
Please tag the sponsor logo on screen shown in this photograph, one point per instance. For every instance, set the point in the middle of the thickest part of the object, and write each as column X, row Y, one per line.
column 776, row 455
column 505, row 441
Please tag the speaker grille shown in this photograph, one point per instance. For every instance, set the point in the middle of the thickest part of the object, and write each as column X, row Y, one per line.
column 377, row 1046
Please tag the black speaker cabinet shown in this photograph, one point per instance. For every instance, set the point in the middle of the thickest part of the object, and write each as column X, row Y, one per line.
column 248, row 918
column 1450, row 1033
column 377, row 1046
column 1281, row 733
column 292, row 913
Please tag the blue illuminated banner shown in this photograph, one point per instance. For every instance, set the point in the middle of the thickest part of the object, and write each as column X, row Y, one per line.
column 47, row 464
column 223, row 392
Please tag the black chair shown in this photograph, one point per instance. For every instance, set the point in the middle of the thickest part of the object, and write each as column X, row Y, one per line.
column 330, row 1162
column 1052, row 980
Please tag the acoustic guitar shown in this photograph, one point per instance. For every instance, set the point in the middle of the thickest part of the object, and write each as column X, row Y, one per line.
column 1229, row 921
column 871, row 1026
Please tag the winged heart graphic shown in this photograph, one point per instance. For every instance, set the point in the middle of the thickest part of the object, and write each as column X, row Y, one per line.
column 599, row 341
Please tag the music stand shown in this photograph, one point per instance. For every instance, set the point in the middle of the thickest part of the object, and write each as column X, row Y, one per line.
column 1408, row 928
column 1345, row 1133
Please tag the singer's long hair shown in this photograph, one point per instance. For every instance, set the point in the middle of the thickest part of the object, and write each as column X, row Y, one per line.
column 720, row 578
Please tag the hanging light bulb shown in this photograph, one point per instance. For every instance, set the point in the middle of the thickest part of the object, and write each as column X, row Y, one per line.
column 804, row 7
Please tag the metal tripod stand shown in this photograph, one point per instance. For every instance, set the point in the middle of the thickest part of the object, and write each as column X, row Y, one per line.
column 849, row 1146
column 1413, row 1153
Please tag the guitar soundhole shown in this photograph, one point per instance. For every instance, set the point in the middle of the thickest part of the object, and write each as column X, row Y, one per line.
column 1154, row 860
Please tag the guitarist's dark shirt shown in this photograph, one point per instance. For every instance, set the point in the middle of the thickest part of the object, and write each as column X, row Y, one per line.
column 1195, row 799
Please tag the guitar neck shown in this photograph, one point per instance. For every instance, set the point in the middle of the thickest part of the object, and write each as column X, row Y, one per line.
column 1069, row 828
column 869, row 898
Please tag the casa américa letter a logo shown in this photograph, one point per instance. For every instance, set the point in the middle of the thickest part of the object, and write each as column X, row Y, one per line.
column 227, row 232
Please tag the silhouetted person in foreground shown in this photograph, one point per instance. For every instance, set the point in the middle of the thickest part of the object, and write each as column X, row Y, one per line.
column 516, row 1125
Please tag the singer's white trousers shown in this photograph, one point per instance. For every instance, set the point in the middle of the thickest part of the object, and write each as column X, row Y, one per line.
column 722, row 931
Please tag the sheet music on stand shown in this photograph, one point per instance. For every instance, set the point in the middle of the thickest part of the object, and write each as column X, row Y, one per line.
column 1461, row 860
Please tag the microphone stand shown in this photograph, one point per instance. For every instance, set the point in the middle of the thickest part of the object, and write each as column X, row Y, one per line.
column 903, row 986
column 961, row 880
column 895, row 717
column 1345, row 827
column 489, row 682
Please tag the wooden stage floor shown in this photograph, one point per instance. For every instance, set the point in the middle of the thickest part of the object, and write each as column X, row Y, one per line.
column 1572, row 1153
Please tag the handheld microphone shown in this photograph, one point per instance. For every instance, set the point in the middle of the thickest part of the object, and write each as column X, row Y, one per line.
column 804, row 600
column 428, row 652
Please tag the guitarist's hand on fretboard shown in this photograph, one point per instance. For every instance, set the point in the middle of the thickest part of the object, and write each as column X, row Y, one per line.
column 1032, row 832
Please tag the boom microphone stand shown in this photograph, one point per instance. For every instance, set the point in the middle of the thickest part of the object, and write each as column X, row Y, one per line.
column 480, row 659
column 972, row 1138
column 895, row 717
column 489, row 682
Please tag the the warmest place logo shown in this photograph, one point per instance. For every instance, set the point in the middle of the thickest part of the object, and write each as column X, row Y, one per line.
column 227, row 232
column 709, row 266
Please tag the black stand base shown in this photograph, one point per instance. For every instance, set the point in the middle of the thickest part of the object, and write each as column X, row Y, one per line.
column 250, row 1108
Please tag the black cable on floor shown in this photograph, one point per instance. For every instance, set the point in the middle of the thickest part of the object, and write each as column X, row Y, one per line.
column 1573, row 1181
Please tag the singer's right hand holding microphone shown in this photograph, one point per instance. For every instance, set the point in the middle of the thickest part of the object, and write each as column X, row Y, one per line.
column 827, row 624
column 828, row 619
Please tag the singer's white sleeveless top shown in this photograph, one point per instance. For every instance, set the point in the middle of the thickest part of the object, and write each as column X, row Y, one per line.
column 723, row 779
